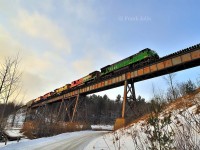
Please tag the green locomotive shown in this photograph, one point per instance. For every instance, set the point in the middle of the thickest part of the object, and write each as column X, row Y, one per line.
column 142, row 56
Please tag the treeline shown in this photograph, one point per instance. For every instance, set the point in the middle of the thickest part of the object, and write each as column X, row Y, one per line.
column 99, row 109
column 174, row 89
column 8, row 109
column 102, row 110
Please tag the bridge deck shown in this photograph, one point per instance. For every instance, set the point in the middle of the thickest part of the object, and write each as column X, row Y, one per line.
column 180, row 60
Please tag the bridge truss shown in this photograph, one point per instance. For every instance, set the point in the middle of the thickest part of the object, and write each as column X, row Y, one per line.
column 183, row 59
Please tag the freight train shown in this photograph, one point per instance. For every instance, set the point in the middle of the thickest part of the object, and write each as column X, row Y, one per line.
column 144, row 56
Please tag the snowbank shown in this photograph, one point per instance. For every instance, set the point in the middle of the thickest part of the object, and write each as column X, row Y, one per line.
column 13, row 133
column 102, row 127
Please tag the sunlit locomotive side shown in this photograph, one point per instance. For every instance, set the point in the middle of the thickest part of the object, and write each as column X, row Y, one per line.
column 63, row 88
column 131, row 61
column 90, row 77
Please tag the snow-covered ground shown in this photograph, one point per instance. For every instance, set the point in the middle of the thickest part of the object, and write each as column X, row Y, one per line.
column 14, row 132
column 41, row 142
column 70, row 141
column 184, row 127
column 102, row 127
column 185, row 124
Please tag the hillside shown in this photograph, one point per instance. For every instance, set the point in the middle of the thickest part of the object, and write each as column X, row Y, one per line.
column 177, row 127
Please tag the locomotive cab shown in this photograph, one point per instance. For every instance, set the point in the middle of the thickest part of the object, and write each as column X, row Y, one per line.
column 154, row 54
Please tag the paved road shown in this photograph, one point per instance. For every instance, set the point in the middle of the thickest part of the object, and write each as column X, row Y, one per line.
column 73, row 141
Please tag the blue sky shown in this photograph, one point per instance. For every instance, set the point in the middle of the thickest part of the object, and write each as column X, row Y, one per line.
column 61, row 41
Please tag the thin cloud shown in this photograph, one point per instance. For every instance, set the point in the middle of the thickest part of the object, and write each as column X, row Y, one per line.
column 40, row 74
column 8, row 45
column 83, row 66
column 41, row 27
column 83, row 10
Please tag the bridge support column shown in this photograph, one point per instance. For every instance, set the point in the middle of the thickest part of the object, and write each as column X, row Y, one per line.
column 129, row 97
column 133, row 91
column 120, row 122
column 60, row 107
column 28, row 111
column 74, row 111
column 124, row 99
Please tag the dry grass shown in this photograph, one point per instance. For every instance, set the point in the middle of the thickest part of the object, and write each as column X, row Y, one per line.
column 144, row 117
column 76, row 126
column 33, row 129
column 29, row 128
column 198, row 109
column 182, row 102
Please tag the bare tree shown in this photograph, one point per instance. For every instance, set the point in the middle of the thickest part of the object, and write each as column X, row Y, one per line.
column 172, row 91
column 158, row 99
column 186, row 87
column 198, row 81
column 9, row 85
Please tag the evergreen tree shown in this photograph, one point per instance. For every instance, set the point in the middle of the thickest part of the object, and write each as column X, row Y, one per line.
column 189, row 87
column 118, row 98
